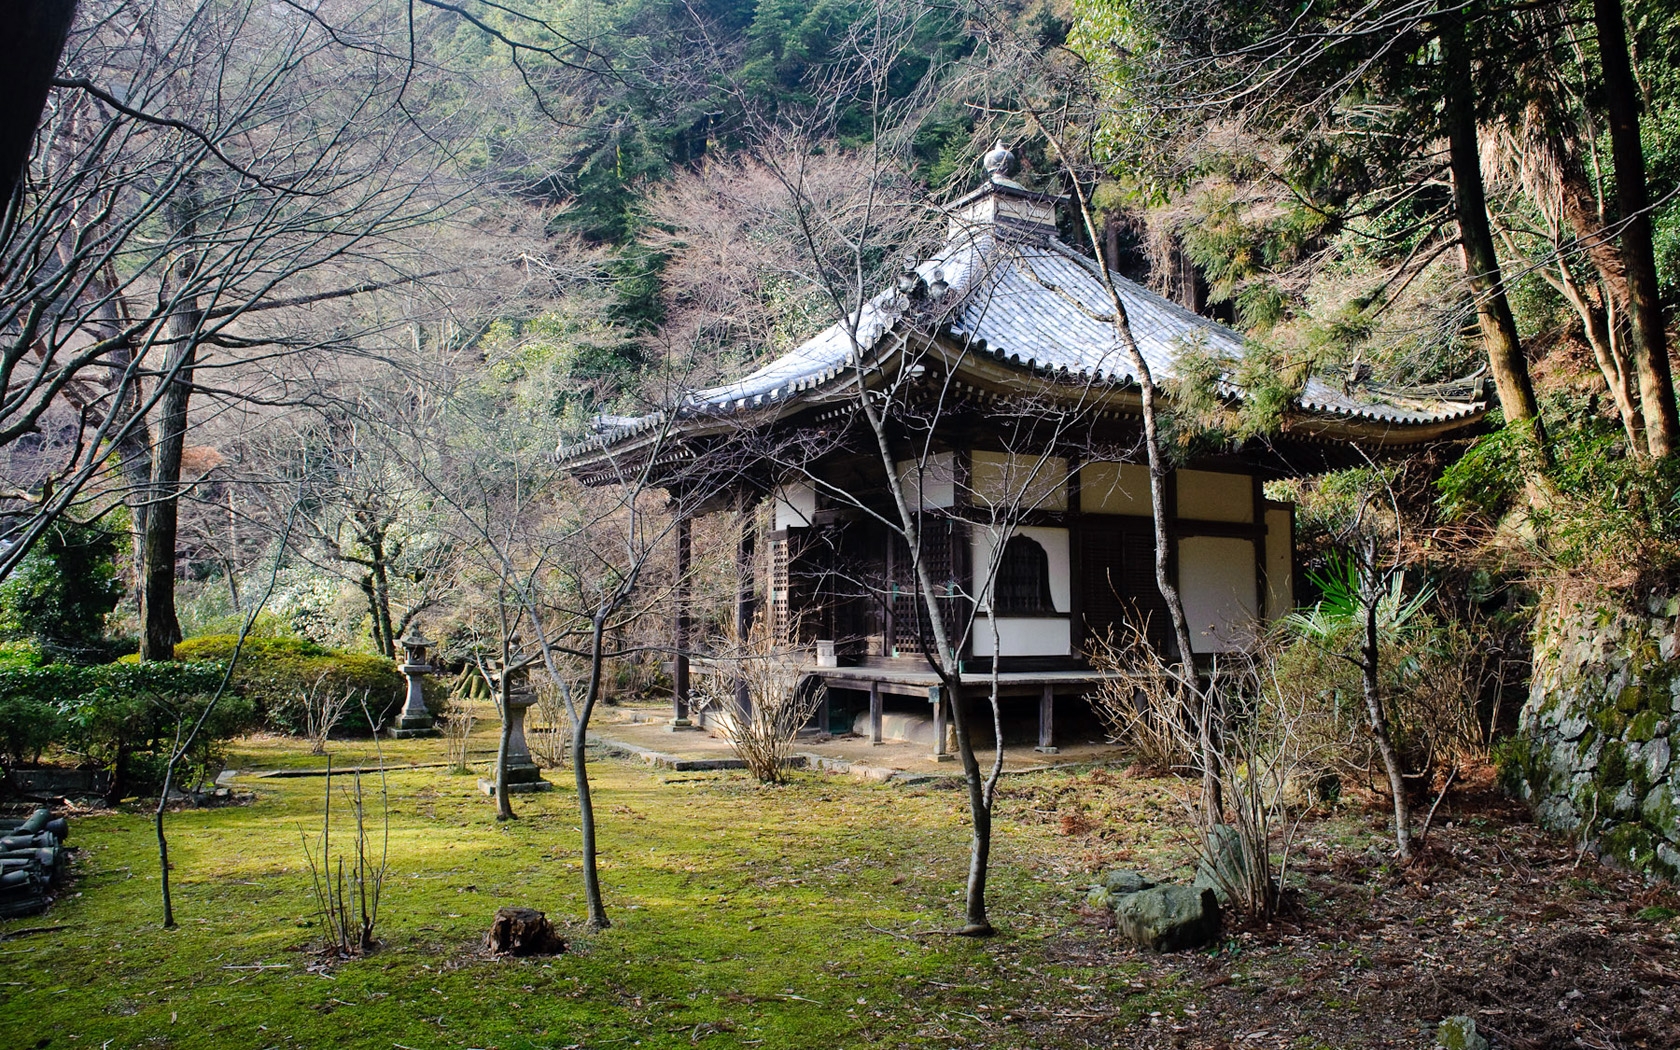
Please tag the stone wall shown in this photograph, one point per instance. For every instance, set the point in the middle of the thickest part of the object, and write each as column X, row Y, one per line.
column 1596, row 755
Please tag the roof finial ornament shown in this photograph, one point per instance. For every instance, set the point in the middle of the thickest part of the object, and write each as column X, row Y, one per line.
column 999, row 161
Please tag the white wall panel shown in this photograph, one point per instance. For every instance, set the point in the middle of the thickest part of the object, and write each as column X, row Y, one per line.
column 1040, row 482
column 984, row 546
column 1216, row 579
column 796, row 505
column 1114, row 488
column 934, row 485
column 1206, row 496
column 1280, row 562
column 1024, row 636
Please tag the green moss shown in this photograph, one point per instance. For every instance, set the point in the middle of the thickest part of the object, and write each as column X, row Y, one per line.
column 1520, row 765
column 1610, row 721
column 742, row 916
column 1613, row 768
column 1662, row 814
column 1629, row 846
column 1643, row 726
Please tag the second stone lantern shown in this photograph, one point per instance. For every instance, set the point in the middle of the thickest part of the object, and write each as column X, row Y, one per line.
column 522, row 772
column 415, row 720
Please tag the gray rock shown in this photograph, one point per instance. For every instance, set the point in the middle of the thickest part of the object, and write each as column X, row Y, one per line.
column 1661, row 810
column 1224, row 864
column 1572, row 726
column 1626, row 803
column 1120, row 883
column 1168, row 918
column 1657, row 756
column 1557, row 814
column 1459, row 1033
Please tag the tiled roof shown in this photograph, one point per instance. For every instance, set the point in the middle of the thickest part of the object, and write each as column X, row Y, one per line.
column 1020, row 296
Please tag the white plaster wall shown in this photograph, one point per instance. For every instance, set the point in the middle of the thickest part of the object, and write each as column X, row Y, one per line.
column 984, row 545
column 796, row 505
column 1216, row 580
column 1114, row 488
column 998, row 477
column 1024, row 636
column 1206, row 496
column 1280, row 563
column 934, row 485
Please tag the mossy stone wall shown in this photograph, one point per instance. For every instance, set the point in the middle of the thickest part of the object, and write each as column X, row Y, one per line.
column 1596, row 757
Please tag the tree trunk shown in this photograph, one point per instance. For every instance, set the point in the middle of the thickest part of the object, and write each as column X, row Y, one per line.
column 976, row 923
column 1369, row 653
column 1203, row 709
column 504, row 739
column 159, row 628
column 1500, row 340
column 1650, row 338
column 1561, row 185
column 134, row 459
column 944, row 660
column 29, row 53
column 383, row 634
column 366, row 584
column 580, row 776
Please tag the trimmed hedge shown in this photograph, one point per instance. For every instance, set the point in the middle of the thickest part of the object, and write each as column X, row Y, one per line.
column 276, row 673
column 122, row 717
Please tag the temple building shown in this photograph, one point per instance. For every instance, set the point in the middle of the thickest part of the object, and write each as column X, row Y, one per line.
column 1012, row 419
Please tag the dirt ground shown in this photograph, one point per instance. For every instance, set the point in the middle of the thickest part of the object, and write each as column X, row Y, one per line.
column 1542, row 946
column 644, row 726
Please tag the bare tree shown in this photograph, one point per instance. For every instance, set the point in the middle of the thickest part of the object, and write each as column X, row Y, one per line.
column 204, row 175
column 844, row 238
column 553, row 573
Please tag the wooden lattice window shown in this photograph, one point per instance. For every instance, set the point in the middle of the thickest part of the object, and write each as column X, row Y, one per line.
column 944, row 548
column 781, row 617
column 1118, row 567
column 1023, row 579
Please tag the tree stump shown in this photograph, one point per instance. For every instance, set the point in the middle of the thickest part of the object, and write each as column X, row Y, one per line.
column 523, row 931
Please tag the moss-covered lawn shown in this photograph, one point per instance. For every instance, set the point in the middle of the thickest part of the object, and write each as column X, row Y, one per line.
column 801, row 916
column 813, row 915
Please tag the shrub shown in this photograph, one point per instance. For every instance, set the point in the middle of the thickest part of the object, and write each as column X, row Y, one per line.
column 16, row 656
column 122, row 717
column 779, row 699
column 277, row 675
column 63, row 589
column 27, row 728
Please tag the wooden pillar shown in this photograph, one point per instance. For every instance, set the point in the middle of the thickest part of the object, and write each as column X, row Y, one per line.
column 875, row 713
column 746, row 598
column 937, row 699
column 681, row 625
column 1047, row 720
column 820, row 717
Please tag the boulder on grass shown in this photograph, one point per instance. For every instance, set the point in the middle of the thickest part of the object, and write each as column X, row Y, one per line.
column 1120, row 883
column 1168, row 918
column 523, row 931
column 1115, row 885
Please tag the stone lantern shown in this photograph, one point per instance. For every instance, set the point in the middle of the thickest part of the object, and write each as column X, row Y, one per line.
column 415, row 720
column 522, row 773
